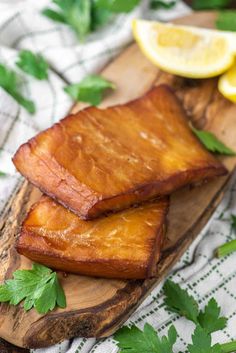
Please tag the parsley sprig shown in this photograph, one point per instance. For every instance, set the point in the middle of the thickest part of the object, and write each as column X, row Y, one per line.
column 10, row 82
column 38, row 287
column 90, row 89
column 201, row 343
column 133, row 340
column 77, row 14
column 85, row 16
column 33, row 64
column 212, row 143
column 178, row 300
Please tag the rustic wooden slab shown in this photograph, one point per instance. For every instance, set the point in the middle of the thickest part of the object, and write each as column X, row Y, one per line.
column 6, row 347
column 97, row 307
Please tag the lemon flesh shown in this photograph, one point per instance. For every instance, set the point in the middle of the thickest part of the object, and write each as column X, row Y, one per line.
column 227, row 84
column 186, row 51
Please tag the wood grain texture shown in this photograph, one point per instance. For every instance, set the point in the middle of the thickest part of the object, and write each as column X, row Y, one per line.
column 6, row 347
column 97, row 307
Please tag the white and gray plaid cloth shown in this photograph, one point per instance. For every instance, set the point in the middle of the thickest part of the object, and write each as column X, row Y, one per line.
column 22, row 26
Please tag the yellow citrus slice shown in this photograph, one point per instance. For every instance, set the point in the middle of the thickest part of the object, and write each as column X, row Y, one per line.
column 227, row 84
column 186, row 51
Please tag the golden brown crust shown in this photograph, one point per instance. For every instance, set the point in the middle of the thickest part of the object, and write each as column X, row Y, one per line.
column 124, row 245
column 102, row 160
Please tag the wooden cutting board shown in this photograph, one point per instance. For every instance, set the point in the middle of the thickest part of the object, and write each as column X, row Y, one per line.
column 97, row 307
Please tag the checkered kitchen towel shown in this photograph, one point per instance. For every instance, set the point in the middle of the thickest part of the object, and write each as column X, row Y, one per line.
column 22, row 26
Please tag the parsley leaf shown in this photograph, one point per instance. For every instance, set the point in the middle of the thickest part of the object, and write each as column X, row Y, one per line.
column 201, row 343
column 133, row 340
column 211, row 142
column 79, row 17
column 100, row 16
column 159, row 4
column 2, row 174
column 39, row 287
column 54, row 15
column 75, row 13
column 85, row 16
column 90, row 89
column 33, row 64
column 209, row 4
column 178, row 300
column 209, row 318
column 226, row 20
column 118, row 5
column 10, row 82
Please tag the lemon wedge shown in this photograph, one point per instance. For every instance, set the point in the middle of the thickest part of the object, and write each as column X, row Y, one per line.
column 186, row 51
column 227, row 84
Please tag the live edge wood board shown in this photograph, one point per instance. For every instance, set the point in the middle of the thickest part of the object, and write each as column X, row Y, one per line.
column 97, row 307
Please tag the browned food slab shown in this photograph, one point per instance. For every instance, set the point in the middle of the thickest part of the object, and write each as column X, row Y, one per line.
column 96, row 306
column 102, row 160
column 125, row 245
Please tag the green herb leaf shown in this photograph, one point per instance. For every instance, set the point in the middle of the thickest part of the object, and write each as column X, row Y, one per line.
column 90, row 89
column 75, row 13
column 79, row 17
column 5, row 294
column 100, row 16
column 211, row 142
column 210, row 4
column 39, row 287
column 118, row 5
column 60, row 298
column 33, row 64
column 201, row 343
column 133, row 340
column 2, row 174
column 209, row 318
column 178, row 300
column 48, row 297
column 10, row 82
column 54, row 15
column 85, row 16
column 226, row 20
column 159, row 4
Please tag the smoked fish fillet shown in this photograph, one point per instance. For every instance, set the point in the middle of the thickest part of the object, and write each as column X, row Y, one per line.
column 126, row 244
column 101, row 160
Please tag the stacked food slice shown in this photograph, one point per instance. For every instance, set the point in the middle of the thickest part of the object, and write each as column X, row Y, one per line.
column 103, row 167
column 124, row 245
